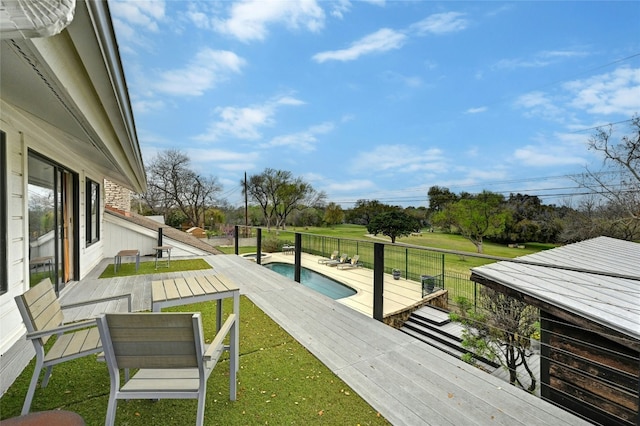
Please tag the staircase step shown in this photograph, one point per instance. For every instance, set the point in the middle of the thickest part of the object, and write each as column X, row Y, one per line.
column 430, row 328
column 453, row 351
column 433, row 315
column 446, row 337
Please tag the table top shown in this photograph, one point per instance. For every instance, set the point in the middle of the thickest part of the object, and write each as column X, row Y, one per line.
column 203, row 287
column 40, row 260
column 163, row 248
column 128, row 252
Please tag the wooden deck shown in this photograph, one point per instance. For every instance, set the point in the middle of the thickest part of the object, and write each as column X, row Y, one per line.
column 407, row 381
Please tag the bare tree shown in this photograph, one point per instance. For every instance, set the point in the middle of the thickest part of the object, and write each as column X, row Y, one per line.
column 278, row 194
column 172, row 184
column 618, row 181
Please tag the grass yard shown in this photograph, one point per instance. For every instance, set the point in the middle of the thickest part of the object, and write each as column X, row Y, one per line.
column 279, row 382
column 127, row 269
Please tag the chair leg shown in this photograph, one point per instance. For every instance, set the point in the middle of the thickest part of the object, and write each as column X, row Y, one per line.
column 201, row 400
column 32, row 387
column 47, row 376
column 110, row 419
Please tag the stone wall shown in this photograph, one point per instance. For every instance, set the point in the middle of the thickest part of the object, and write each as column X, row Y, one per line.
column 117, row 196
column 439, row 299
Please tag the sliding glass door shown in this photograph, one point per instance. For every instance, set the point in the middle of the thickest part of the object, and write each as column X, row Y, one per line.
column 53, row 211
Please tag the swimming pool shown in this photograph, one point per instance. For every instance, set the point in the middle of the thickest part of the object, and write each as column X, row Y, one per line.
column 313, row 280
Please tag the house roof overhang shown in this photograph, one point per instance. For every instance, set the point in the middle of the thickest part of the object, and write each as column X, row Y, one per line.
column 73, row 82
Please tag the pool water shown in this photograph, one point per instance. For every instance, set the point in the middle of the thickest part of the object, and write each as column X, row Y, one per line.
column 314, row 280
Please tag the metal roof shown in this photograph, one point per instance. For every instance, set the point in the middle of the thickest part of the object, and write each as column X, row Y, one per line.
column 598, row 279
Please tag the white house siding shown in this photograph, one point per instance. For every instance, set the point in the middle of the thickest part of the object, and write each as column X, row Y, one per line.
column 124, row 235
column 22, row 135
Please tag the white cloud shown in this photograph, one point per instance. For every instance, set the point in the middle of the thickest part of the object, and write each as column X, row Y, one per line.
column 547, row 155
column 382, row 40
column 128, row 16
column 540, row 59
column 541, row 105
column 226, row 160
column 203, row 72
column 441, row 23
column 246, row 122
column 617, row 92
column 476, row 110
column 143, row 106
column 349, row 186
column 302, row 141
column 399, row 158
column 249, row 19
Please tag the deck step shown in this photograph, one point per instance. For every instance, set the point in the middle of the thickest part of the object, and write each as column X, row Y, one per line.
column 433, row 315
column 429, row 326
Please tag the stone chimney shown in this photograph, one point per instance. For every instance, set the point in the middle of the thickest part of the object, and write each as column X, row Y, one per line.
column 117, row 196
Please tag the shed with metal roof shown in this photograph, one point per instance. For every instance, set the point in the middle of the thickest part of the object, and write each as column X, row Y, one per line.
column 588, row 294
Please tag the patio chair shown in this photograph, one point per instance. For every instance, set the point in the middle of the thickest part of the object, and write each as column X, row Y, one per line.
column 333, row 256
column 353, row 263
column 43, row 317
column 168, row 348
column 339, row 261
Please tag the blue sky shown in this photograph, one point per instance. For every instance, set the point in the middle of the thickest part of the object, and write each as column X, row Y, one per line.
column 382, row 99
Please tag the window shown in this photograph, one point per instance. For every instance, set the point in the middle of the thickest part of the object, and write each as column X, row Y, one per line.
column 3, row 215
column 93, row 212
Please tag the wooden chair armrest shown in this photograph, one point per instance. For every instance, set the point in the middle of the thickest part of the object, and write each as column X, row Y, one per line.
column 103, row 299
column 215, row 348
column 61, row 329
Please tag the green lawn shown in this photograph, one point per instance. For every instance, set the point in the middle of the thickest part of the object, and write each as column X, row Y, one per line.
column 279, row 382
column 146, row 268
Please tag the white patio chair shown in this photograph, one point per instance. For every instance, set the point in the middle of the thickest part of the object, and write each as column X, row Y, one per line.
column 168, row 348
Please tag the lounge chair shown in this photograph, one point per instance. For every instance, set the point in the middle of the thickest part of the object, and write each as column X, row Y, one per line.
column 333, row 256
column 336, row 262
column 353, row 263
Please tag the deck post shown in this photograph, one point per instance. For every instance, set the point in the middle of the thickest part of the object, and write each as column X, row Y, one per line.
column 378, row 280
column 159, row 254
column 236, row 235
column 259, row 246
column 298, row 257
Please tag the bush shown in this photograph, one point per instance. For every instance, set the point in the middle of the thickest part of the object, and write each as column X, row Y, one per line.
column 271, row 244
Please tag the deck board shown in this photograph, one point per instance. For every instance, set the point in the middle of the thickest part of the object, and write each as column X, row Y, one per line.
column 406, row 381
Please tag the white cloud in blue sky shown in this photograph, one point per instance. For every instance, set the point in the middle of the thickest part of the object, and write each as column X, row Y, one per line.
column 380, row 100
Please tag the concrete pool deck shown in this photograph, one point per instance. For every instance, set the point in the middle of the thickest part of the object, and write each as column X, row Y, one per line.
column 398, row 294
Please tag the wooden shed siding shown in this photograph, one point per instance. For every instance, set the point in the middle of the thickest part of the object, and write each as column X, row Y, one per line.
column 586, row 372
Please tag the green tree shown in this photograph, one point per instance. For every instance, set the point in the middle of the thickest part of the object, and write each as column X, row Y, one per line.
column 393, row 224
column 499, row 330
column 333, row 214
column 439, row 198
column 476, row 218
column 365, row 210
